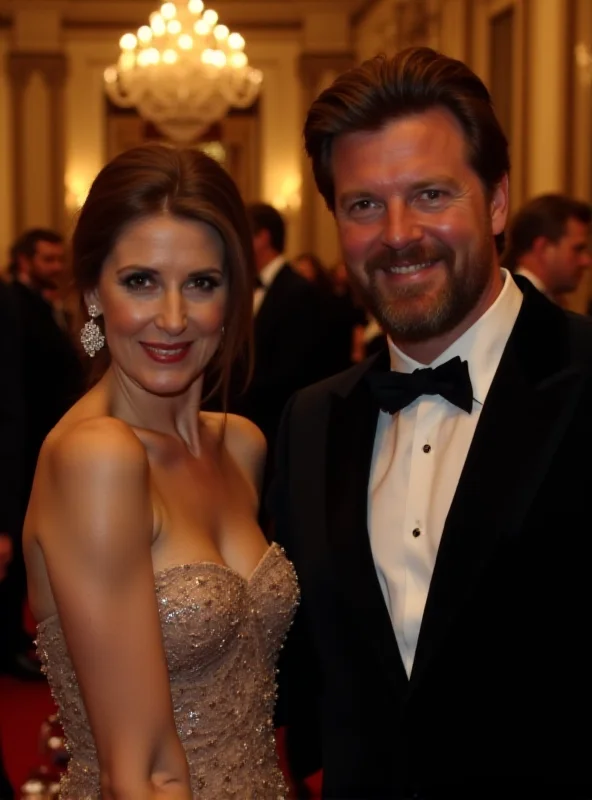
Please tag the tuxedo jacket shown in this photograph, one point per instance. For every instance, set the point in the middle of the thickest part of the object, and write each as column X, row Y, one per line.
column 499, row 701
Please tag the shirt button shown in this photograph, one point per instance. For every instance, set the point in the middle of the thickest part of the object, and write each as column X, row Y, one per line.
column 416, row 532
column 426, row 448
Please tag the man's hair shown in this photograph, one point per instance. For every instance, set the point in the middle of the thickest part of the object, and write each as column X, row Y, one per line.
column 545, row 215
column 417, row 79
column 26, row 245
column 263, row 217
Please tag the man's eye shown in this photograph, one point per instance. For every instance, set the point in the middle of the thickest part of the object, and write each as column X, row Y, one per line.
column 362, row 205
column 432, row 195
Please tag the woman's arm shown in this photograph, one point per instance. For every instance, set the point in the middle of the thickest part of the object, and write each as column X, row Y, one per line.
column 97, row 548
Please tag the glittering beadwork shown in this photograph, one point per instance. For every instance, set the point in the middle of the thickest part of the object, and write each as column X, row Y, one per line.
column 90, row 336
column 222, row 635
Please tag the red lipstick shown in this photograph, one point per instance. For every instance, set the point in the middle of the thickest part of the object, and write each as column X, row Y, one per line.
column 166, row 353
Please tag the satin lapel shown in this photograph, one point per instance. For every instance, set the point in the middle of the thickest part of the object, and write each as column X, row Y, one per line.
column 352, row 426
column 527, row 410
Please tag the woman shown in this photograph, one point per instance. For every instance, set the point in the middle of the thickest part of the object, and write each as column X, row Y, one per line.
column 161, row 606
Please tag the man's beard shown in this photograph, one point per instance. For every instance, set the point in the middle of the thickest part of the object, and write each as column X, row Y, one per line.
column 401, row 312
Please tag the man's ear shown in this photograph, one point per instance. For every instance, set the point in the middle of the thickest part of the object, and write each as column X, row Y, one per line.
column 22, row 265
column 499, row 205
column 92, row 299
column 540, row 247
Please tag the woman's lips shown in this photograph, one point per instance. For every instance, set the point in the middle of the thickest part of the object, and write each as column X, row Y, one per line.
column 166, row 353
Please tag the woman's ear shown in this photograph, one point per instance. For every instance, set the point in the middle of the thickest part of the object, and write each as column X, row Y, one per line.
column 92, row 299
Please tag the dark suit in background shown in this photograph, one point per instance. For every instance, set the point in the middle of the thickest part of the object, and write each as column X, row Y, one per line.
column 295, row 345
column 293, row 348
column 50, row 379
column 53, row 375
column 12, row 434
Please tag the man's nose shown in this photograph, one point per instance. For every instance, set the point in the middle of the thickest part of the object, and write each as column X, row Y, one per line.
column 402, row 226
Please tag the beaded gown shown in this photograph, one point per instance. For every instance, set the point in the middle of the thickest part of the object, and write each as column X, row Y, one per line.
column 221, row 634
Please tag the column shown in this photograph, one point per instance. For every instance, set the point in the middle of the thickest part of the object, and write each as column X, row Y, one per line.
column 37, row 83
column 546, row 100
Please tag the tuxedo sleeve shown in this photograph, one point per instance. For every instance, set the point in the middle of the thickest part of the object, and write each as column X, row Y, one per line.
column 299, row 677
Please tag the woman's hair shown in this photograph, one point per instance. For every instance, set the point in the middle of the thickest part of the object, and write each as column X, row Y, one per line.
column 187, row 184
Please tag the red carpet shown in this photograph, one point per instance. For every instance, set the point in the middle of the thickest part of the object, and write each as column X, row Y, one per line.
column 24, row 706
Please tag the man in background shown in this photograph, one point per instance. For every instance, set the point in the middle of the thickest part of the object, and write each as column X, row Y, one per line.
column 51, row 378
column 547, row 242
column 294, row 331
column 52, row 370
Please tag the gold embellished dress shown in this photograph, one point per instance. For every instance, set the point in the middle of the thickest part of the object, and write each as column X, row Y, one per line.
column 222, row 634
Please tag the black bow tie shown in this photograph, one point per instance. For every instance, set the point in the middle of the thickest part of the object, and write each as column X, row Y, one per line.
column 259, row 283
column 451, row 380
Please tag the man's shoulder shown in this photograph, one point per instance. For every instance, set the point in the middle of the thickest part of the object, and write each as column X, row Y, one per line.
column 317, row 394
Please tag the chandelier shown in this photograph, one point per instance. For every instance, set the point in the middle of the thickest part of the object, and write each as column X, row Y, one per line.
column 183, row 71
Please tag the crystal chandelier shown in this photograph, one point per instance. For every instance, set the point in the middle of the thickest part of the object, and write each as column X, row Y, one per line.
column 183, row 71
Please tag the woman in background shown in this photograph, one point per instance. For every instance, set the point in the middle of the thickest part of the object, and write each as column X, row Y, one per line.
column 161, row 607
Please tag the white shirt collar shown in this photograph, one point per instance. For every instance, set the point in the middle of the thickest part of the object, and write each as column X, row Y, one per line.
column 481, row 345
column 269, row 271
column 534, row 279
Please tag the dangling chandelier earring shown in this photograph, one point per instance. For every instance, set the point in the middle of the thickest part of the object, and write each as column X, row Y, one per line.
column 91, row 337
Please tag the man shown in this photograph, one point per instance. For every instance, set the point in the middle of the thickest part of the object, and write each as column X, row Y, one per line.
column 548, row 244
column 53, row 375
column 293, row 331
column 438, row 520
column 52, row 379
column 11, row 478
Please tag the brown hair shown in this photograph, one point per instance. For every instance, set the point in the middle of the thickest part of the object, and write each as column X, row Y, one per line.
column 545, row 215
column 186, row 183
column 367, row 97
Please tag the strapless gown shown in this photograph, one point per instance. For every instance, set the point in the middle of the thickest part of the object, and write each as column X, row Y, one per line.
column 221, row 634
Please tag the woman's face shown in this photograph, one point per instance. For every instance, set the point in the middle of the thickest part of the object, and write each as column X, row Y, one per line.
column 162, row 293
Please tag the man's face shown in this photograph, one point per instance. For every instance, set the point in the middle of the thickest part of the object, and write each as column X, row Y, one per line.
column 46, row 267
column 415, row 225
column 569, row 258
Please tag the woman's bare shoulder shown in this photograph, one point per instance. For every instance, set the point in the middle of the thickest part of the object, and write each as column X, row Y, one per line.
column 92, row 444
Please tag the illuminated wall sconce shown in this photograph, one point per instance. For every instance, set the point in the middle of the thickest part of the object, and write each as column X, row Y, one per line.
column 289, row 199
column 583, row 56
column 76, row 191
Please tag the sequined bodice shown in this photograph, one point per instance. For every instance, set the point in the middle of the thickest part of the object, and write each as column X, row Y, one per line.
column 221, row 634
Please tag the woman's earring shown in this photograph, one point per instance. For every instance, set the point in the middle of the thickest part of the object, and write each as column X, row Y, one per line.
column 91, row 337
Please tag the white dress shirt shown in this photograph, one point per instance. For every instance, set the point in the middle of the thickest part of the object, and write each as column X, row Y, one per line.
column 267, row 277
column 417, row 460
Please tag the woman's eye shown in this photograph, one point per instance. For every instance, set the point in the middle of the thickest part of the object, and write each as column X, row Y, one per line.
column 138, row 280
column 205, row 283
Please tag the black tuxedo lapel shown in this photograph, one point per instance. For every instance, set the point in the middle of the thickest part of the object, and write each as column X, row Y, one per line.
column 352, row 426
column 527, row 409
